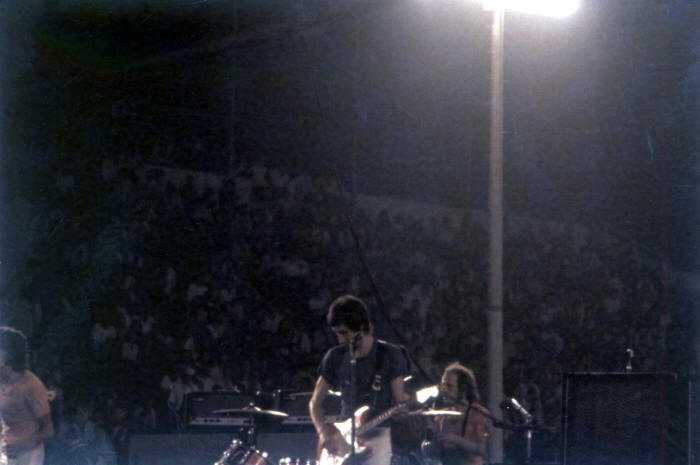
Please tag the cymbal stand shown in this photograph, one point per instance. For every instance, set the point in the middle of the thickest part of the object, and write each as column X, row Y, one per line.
column 251, row 432
column 528, row 442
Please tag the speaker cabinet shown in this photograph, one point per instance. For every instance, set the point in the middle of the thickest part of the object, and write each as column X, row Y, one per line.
column 203, row 411
column 627, row 419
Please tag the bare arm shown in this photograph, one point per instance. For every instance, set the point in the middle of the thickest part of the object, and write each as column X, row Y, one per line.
column 318, row 416
column 45, row 429
column 398, row 390
column 478, row 448
column 475, row 438
column 328, row 435
column 44, row 432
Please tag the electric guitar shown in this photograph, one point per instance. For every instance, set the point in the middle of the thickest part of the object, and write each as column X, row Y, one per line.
column 362, row 426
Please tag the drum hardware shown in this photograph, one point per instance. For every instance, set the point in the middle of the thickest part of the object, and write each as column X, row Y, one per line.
column 224, row 421
column 243, row 451
column 430, row 449
column 251, row 411
column 246, row 454
column 240, row 454
column 269, row 400
column 199, row 408
column 297, row 461
column 435, row 413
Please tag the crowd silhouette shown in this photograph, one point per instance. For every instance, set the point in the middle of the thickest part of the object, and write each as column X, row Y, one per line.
column 222, row 281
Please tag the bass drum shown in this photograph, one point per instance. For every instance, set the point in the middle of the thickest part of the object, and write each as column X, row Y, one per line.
column 240, row 454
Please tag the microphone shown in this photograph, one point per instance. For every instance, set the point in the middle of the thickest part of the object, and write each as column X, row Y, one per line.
column 519, row 408
column 357, row 337
column 630, row 356
column 441, row 400
column 352, row 347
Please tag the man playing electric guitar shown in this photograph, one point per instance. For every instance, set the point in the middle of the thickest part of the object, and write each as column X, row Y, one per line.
column 380, row 368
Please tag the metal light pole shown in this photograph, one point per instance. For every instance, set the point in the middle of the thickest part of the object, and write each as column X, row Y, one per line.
column 551, row 8
column 495, row 280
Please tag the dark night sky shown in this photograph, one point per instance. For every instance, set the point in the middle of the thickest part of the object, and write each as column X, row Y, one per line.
column 600, row 109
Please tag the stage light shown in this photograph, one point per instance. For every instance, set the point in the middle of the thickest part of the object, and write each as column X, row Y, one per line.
column 422, row 395
column 550, row 8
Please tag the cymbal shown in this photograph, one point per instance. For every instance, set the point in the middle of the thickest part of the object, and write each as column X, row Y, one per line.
column 310, row 393
column 435, row 413
column 251, row 410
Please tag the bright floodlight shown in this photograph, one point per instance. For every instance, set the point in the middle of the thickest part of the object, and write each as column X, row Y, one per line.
column 422, row 395
column 551, row 8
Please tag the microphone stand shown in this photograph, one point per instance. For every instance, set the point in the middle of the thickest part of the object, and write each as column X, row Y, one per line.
column 528, row 430
column 527, row 427
column 528, row 441
column 353, row 393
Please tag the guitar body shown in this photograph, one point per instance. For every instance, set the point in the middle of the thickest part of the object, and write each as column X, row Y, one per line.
column 326, row 458
column 342, row 457
column 362, row 426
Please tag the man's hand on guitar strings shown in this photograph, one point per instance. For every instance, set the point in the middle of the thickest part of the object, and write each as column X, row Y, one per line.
column 331, row 439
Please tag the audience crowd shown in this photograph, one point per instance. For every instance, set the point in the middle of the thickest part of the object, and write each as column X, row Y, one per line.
column 222, row 284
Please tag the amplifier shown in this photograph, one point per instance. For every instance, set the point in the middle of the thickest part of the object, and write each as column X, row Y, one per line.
column 296, row 405
column 201, row 408
column 301, row 420
column 628, row 419
column 205, row 409
column 217, row 421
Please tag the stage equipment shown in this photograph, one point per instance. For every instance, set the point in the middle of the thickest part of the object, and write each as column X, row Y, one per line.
column 435, row 413
column 296, row 405
column 628, row 419
column 200, row 408
column 239, row 454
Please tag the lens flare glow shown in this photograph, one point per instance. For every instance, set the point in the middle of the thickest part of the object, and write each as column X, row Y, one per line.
column 551, row 8
column 424, row 394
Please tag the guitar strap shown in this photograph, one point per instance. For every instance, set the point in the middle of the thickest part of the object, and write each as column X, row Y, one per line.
column 466, row 418
column 377, row 379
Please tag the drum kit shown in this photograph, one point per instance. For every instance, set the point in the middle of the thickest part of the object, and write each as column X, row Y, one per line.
column 245, row 452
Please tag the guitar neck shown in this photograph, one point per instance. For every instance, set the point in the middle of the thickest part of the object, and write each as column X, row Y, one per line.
column 379, row 419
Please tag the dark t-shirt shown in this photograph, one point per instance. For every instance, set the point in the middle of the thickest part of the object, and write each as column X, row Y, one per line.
column 335, row 370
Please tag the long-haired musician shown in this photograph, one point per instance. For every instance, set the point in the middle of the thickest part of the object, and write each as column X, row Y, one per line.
column 460, row 440
column 24, row 403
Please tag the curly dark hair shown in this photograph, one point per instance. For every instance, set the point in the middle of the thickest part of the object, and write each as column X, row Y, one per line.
column 350, row 311
column 14, row 343
column 466, row 381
